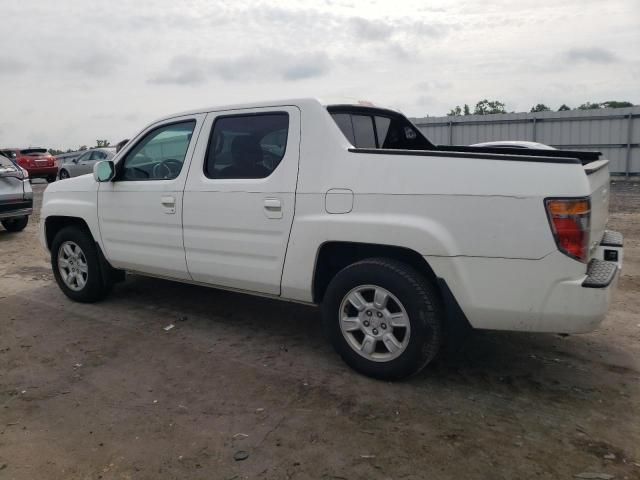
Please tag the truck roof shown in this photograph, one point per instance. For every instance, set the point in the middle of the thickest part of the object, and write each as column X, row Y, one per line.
column 273, row 103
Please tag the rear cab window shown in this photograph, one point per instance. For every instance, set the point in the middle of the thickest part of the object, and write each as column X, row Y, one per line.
column 367, row 127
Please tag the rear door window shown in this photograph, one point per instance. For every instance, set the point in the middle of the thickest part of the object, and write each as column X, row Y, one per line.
column 247, row 146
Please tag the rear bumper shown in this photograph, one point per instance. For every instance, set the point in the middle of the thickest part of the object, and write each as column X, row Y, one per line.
column 38, row 172
column 586, row 301
column 554, row 294
column 16, row 209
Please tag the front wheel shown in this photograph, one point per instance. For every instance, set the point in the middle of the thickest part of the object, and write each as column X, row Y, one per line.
column 15, row 224
column 63, row 174
column 384, row 318
column 76, row 266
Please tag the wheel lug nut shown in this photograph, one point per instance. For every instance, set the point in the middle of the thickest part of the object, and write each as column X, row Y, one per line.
column 379, row 314
column 366, row 323
column 384, row 326
column 369, row 313
column 375, row 331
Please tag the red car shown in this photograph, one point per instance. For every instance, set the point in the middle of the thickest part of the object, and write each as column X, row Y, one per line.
column 37, row 161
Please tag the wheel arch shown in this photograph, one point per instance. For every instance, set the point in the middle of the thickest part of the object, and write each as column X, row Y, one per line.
column 333, row 256
column 53, row 224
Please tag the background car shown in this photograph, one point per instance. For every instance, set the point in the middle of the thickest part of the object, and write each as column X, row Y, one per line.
column 16, row 196
column 65, row 157
column 85, row 162
column 514, row 144
column 37, row 161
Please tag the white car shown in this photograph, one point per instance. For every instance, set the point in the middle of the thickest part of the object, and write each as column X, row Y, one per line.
column 349, row 207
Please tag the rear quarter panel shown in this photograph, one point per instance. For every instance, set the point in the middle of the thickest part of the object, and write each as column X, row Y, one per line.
column 440, row 207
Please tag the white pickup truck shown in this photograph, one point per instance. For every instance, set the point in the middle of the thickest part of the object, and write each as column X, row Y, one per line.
column 352, row 208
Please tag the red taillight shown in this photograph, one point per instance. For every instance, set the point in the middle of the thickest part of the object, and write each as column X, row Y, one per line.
column 570, row 220
column 23, row 161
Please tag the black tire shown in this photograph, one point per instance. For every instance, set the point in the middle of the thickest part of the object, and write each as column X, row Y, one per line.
column 52, row 178
column 15, row 224
column 63, row 174
column 419, row 298
column 97, row 285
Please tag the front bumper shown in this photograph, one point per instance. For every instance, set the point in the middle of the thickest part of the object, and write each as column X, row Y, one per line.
column 16, row 209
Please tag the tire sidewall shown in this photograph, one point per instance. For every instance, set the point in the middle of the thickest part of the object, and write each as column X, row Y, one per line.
column 94, row 288
column 419, row 300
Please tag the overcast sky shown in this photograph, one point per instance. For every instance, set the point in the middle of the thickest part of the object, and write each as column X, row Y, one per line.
column 73, row 71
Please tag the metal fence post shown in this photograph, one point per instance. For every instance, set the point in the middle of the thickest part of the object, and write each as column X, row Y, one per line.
column 628, row 160
column 450, row 133
column 534, row 129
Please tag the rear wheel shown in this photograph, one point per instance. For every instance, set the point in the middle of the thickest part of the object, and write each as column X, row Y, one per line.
column 63, row 174
column 15, row 224
column 51, row 178
column 384, row 318
column 77, row 267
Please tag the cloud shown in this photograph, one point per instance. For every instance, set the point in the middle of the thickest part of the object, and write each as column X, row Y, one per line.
column 593, row 55
column 183, row 70
column 94, row 64
column 309, row 66
column 265, row 64
column 10, row 66
column 371, row 31
column 383, row 30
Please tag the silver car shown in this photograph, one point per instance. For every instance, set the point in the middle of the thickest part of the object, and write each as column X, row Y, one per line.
column 73, row 167
column 16, row 196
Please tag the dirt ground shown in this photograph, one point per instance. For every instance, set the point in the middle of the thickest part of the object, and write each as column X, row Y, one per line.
column 104, row 392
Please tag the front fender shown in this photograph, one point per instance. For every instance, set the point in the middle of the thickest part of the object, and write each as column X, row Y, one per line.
column 73, row 205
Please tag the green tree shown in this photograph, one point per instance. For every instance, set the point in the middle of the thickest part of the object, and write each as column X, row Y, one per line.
column 486, row 107
column 616, row 104
column 102, row 143
column 564, row 107
column 466, row 109
column 540, row 107
column 82, row 148
column 455, row 112
column 589, row 106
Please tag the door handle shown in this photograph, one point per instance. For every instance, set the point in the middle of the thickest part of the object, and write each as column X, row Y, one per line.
column 169, row 203
column 273, row 207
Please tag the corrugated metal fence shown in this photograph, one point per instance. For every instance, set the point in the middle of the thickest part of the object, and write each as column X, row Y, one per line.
column 613, row 131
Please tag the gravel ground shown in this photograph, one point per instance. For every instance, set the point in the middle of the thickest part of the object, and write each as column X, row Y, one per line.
column 102, row 391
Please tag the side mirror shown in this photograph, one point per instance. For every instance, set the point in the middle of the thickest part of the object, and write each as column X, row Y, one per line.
column 75, row 160
column 104, row 171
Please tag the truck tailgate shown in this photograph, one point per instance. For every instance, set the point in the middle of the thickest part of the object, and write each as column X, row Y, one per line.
column 598, row 177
